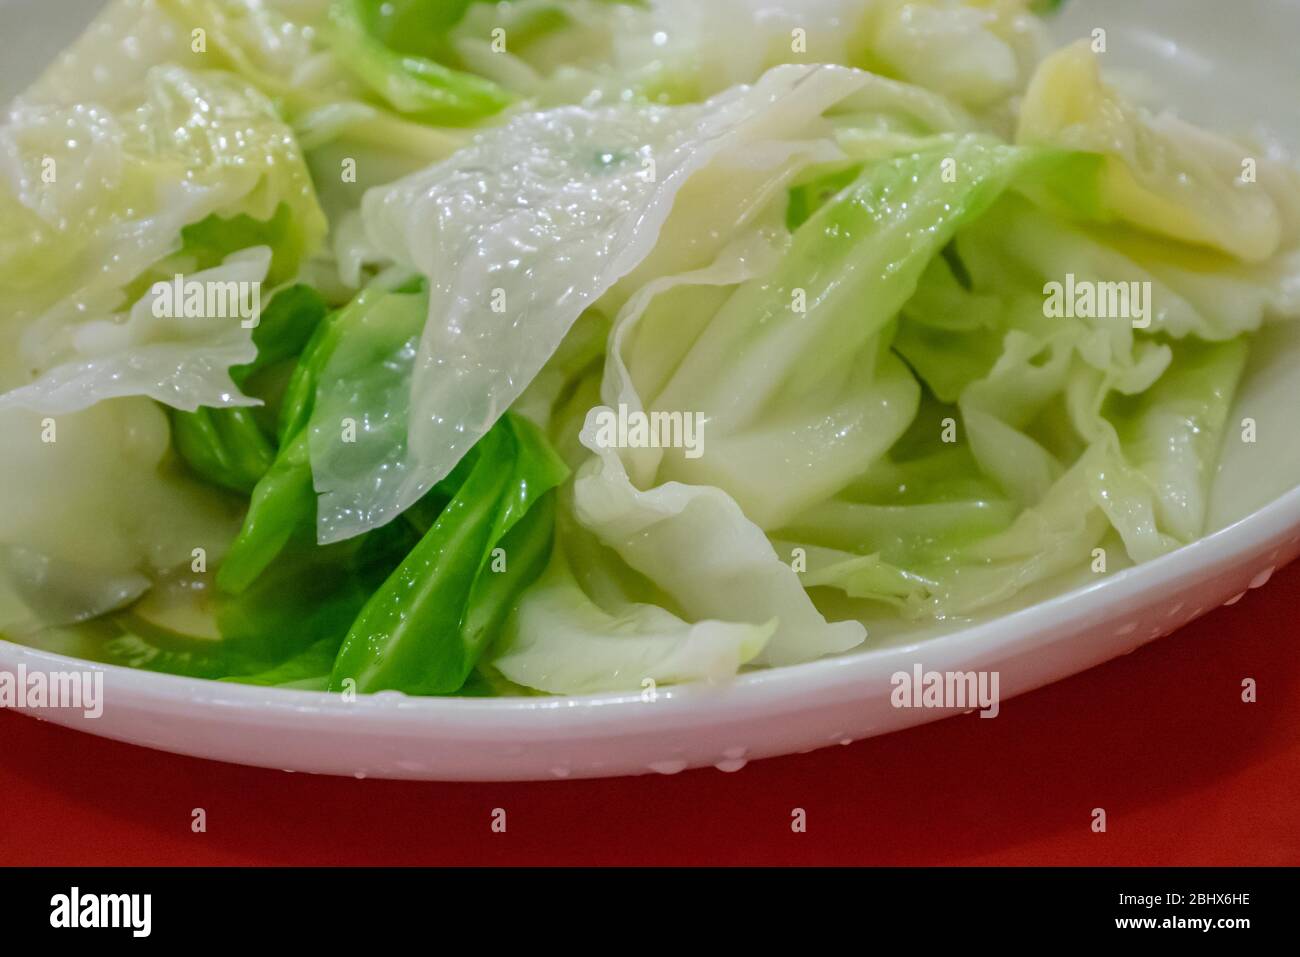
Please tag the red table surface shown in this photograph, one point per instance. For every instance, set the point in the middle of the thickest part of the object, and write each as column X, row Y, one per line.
column 1187, row 772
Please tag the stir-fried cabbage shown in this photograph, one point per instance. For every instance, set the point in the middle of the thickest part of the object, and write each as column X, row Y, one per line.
column 602, row 344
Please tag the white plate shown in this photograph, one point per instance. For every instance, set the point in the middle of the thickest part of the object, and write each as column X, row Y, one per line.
column 1228, row 65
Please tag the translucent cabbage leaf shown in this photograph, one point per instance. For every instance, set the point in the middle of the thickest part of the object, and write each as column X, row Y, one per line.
column 560, row 641
column 697, row 546
column 93, row 197
column 96, row 201
column 411, row 84
column 1162, row 174
column 273, row 43
column 793, row 359
column 279, row 47
column 523, row 230
column 978, row 52
column 1071, row 427
column 181, row 361
column 352, row 353
column 106, row 468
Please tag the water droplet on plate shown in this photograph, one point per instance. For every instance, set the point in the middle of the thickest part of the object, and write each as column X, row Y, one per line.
column 673, row 766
